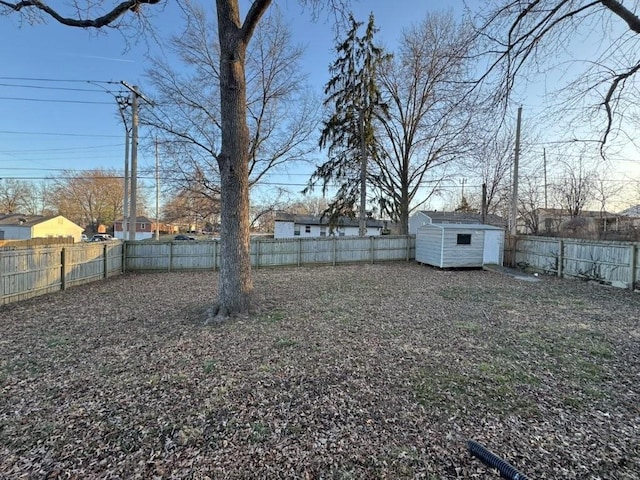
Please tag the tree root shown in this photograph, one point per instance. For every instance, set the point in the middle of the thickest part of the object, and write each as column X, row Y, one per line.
column 216, row 315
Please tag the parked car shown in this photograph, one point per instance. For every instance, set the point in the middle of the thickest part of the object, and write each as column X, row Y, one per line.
column 101, row 237
column 84, row 238
column 183, row 237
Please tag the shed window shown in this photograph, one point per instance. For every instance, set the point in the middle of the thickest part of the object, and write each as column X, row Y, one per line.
column 307, row 229
column 464, row 239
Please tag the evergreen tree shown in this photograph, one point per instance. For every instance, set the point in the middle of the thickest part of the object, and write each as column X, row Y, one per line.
column 348, row 134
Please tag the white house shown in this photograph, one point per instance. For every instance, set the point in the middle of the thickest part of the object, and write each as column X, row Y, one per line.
column 427, row 217
column 289, row 225
column 16, row 226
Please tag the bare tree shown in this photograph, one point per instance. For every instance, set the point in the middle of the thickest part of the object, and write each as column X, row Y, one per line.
column 526, row 36
column 91, row 198
column 281, row 117
column 429, row 115
column 14, row 195
column 38, row 201
column 574, row 186
column 530, row 202
column 234, row 35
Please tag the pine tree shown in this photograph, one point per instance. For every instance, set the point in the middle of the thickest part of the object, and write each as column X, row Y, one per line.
column 348, row 133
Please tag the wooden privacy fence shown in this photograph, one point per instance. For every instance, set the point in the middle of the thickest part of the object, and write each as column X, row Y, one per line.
column 614, row 263
column 268, row 252
column 29, row 272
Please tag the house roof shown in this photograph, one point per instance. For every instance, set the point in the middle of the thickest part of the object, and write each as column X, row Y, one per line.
column 560, row 212
column 631, row 211
column 319, row 220
column 21, row 220
column 139, row 219
column 463, row 217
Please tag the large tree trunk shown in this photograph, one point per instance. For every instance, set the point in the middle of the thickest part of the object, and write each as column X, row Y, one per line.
column 236, row 285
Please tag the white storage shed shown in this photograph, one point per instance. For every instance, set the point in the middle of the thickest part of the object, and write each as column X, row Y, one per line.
column 455, row 245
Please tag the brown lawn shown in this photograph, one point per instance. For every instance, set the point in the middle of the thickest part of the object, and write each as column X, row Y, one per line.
column 365, row 371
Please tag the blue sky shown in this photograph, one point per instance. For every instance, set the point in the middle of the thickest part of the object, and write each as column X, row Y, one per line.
column 47, row 68
column 59, row 112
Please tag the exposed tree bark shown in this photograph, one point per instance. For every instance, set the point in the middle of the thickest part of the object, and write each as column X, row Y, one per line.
column 236, row 284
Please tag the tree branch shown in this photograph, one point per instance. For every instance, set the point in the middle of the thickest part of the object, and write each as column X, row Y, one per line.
column 258, row 7
column 624, row 13
column 99, row 22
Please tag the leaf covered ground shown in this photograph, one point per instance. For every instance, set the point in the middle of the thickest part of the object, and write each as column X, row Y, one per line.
column 364, row 371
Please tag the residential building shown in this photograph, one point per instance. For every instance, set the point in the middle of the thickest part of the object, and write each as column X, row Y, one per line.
column 17, row 226
column 288, row 225
column 144, row 228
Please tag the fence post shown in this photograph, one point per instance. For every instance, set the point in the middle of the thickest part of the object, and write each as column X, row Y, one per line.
column 257, row 253
column 105, row 260
column 63, row 268
column 560, row 257
column 335, row 239
column 633, row 258
column 170, row 256
column 408, row 240
column 373, row 252
column 124, row 257
column 215, row 254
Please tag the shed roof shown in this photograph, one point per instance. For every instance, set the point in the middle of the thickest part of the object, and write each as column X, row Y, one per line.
column 462, row 217
column 461, row 226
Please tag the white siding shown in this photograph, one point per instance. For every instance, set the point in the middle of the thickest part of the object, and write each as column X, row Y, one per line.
column 437, row 245
column 283, row 229
column 287, row 230
column 429, row 245
column 416, row 221
column 454, row 255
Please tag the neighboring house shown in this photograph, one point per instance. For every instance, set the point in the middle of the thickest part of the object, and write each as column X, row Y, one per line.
column 427, row 217
column 631, row 212
column 456, row 245
column 144, row 228
column 16, row 226
column 557, row 221
column 289, row 225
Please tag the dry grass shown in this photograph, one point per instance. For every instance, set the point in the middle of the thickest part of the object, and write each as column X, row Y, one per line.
column 361, row 371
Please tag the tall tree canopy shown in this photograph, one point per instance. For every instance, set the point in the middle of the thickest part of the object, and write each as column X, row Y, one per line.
column 430, row 115
column 281, row 115
column 354, row 100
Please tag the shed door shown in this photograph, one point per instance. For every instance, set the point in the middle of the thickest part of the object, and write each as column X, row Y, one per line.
column 491, row 254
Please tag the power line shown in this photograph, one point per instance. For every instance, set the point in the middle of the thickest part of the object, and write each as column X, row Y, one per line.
column 9, row 132
column 36, row 79
column 70, row 149
column 44, row 100
column 67, row 89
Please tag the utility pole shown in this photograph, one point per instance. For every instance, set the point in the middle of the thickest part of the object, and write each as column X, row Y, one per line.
column 516, row 158
column 123, row 103
column 483, row 205
column 157, row 194
column 133, row 218
column 544, row 161
column 135, row 95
